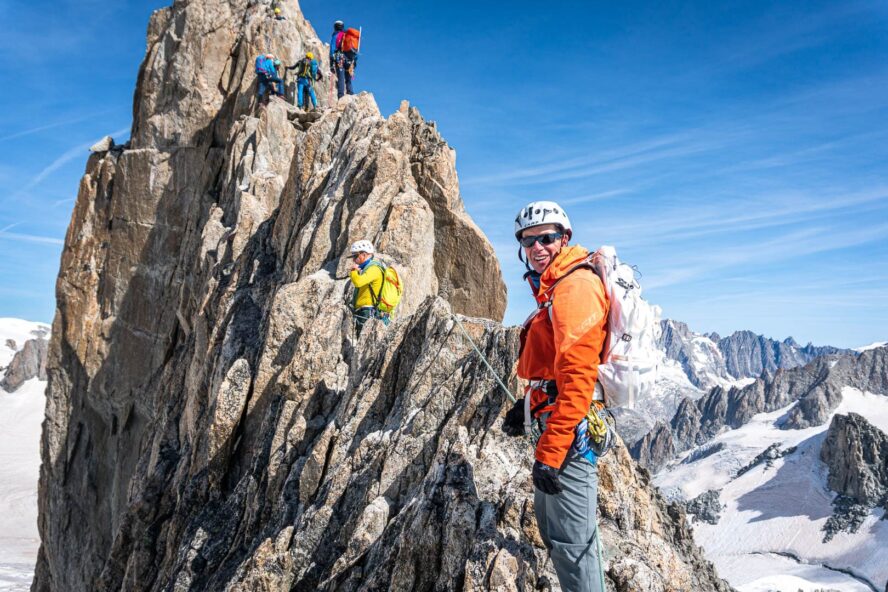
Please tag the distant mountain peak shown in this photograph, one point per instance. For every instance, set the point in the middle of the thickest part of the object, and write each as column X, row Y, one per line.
column 710, row 360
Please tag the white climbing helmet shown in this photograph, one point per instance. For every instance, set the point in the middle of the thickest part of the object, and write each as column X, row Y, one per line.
column 362, row 246
column 537, row 213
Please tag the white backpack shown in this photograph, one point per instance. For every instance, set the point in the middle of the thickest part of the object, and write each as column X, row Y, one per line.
column 628, row 367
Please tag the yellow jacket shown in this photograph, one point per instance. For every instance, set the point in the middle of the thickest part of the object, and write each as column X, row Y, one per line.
column 369, row 278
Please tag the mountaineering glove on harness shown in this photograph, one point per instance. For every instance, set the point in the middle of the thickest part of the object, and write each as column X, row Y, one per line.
column 545, row 478
column 513, row 423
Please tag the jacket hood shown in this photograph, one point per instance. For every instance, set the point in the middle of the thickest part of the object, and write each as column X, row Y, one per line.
column 568, row 258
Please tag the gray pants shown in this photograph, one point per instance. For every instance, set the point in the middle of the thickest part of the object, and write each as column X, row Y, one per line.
column 567, row 524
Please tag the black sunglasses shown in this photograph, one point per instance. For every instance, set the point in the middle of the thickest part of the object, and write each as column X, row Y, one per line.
column 543, row 239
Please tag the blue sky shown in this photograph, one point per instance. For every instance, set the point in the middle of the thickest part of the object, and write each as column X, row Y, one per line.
column 736, row 152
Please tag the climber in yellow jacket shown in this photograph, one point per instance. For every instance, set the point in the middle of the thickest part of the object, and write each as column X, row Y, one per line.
column 367, row 276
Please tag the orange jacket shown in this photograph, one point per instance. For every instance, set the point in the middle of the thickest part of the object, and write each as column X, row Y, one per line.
column 565, row 347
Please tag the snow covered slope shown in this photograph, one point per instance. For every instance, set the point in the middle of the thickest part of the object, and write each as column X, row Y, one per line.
column 672, row 385
column 697, row 355
column 769, row 536
column 691, row 364
column 871, row 346
column 21, row 414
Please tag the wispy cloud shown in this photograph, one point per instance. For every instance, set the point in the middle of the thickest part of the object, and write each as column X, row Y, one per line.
column 64, row 158
column 60, row 202
column 581, row 199
column 794, row 34
column 30, row 238
column 589, row 164
column 59, row 162
column 793, row 245
column 38, row 129
column 9, row 227
column 696, row 220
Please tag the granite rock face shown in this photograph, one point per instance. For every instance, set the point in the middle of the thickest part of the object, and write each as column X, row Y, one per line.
column 213, row 422
column 706, row 507
column 748, row 354
column 27, row 363
column 656, row 448
column 856, row 453
column 698, row 355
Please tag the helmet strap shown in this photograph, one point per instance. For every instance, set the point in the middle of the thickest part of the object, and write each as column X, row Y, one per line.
column 522, row 259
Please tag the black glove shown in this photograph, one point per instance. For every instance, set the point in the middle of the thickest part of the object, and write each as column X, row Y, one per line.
column 333, row 66
column 513, row 422
column 545, row 478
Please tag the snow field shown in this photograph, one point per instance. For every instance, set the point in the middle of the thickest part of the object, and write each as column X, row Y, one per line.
column 782, row 509
column 21, row 416
column 785, row 574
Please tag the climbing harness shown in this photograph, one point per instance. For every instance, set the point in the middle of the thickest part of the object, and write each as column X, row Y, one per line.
column 599, row 424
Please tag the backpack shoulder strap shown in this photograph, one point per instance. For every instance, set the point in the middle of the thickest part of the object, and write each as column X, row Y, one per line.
column 584, row 264
column 383, row 268
column 550, row 292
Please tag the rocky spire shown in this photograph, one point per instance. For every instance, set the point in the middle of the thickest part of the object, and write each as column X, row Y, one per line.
column 213, row 423
column 27, row 363
column 856, row 453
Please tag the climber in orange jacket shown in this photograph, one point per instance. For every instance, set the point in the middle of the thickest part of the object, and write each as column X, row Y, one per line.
column 561, row 348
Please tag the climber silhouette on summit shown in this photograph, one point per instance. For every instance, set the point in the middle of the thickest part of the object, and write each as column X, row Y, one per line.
column 344, row 47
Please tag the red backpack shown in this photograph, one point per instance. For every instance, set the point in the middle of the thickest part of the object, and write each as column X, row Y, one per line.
column 350, row 41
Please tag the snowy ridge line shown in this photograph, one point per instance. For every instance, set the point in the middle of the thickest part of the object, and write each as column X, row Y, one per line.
column 850, row 573
column 874, row 345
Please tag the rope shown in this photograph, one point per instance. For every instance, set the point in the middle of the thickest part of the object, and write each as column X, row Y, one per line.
column 483, row 359
column 600, row 560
